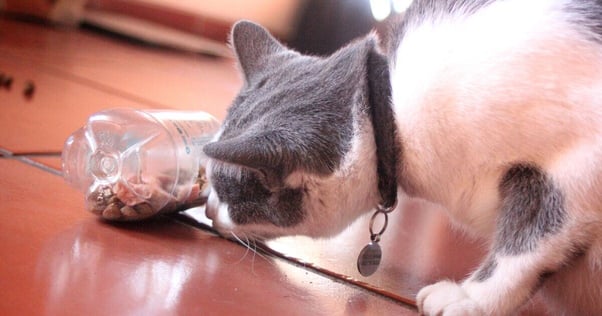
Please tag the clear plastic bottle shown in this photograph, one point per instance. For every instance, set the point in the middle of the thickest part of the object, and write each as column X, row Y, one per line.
column 133, row 164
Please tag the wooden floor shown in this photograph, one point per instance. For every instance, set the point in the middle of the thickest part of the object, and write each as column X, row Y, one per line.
column 57, row 259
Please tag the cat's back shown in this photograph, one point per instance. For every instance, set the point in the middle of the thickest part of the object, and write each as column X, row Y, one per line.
column 502, row 68
column 480, row 84
column 467, row 52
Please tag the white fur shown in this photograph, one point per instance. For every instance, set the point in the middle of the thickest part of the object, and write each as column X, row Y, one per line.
column 507, row 92
column 526, row 87
column 218, row 212
column 447, row 298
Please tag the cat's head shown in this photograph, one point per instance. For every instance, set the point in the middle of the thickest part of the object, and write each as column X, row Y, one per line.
column 296, row 152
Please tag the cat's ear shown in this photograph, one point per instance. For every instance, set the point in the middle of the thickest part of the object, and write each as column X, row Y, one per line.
column 256, row 152
column 275, row 151
column 253, row 44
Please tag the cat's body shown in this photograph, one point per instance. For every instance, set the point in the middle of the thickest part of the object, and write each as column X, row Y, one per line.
column 498, row 117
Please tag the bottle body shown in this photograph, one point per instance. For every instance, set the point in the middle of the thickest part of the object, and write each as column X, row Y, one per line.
column 133, row 164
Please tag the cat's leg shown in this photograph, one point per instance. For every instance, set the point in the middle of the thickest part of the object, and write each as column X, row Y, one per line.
column 535, row 237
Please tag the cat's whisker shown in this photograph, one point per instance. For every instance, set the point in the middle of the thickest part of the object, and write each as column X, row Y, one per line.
column 258, row 249
column 250, row 245
column 254, row 249
column 247, row 247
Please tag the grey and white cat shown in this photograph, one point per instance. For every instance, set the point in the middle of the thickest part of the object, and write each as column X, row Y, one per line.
column 495, row 114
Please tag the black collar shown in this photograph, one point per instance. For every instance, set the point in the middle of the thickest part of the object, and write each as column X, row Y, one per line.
column 388, row 147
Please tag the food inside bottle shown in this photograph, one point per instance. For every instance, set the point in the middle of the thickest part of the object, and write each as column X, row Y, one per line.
column 136, row 200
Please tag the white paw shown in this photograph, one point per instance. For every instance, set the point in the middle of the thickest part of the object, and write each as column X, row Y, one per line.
column 446, row 298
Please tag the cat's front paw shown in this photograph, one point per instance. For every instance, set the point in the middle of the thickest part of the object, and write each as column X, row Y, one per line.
column 447, row 299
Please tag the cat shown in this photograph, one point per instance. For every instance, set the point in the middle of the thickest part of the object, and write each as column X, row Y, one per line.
column 490, row 108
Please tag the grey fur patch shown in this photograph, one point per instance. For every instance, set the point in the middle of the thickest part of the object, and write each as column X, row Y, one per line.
column 251, row 202
column 532, row 208
column 587, row 14
column 486, row 270
column 294, row 112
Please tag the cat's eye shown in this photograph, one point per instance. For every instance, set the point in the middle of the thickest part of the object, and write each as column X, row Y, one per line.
column 261, row 83
column 263, row 173
column 268, row 179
